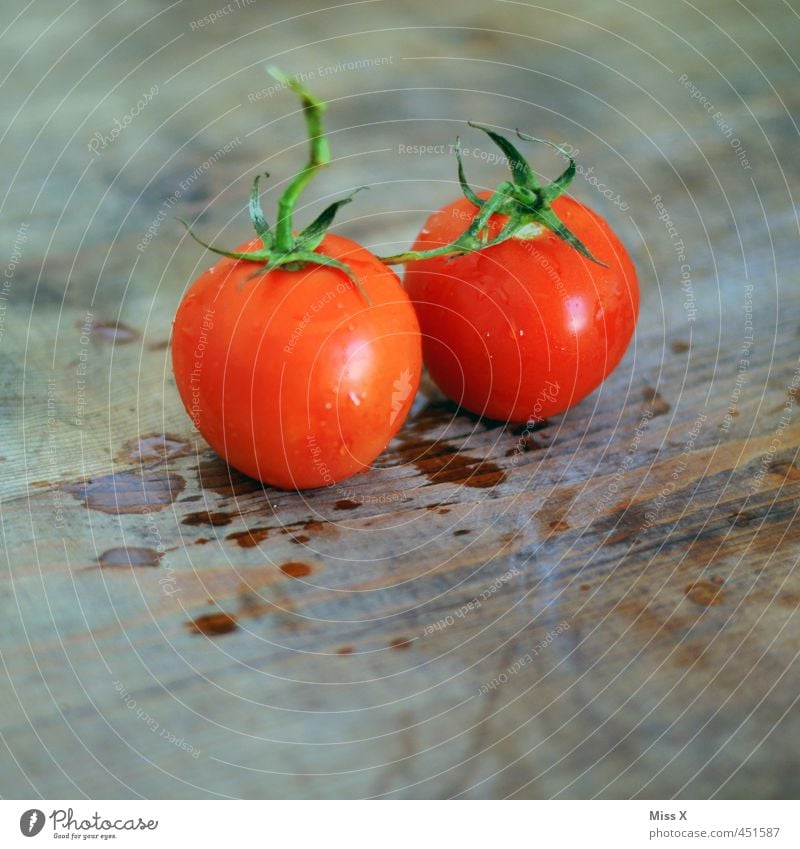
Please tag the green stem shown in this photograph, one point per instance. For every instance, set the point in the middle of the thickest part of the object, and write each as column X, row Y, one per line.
column 320, row 155
column 281, row 248
column 522, row 200
column 469, row 241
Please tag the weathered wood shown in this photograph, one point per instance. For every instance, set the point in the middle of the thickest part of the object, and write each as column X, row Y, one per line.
column 607, row 606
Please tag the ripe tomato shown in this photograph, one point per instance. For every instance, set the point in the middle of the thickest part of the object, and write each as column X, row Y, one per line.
column 292, row 376
column 526, row 328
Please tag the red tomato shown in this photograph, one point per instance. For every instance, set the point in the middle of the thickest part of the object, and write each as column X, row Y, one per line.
column 526, row 328
column 292, row 376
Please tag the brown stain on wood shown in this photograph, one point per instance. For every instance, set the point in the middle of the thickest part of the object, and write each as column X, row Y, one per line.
column 128, row 492
column 312, row 526
column 678, row 346
column 300, row 539
column 295, row 569
column 207, row 517
column 346, row 504
column 401, row 643
column 462, row 532
column 213, row 624
column 250, row 538
column 704, row 593
column 653, row 400
column 345, row 650
column 125, row 558
column 559, row 525
column 441, row 464
column 216, row 475
column 154, row 448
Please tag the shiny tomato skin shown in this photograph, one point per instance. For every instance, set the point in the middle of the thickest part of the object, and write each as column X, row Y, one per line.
column 291, row 376
column 527, row 328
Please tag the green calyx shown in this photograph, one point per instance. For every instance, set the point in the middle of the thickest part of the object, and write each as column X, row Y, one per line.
column 525, row 203
column 281, row 246
column 522, row 199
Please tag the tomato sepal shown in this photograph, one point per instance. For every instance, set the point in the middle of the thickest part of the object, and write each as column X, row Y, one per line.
column 281, row 246
column 523, row 200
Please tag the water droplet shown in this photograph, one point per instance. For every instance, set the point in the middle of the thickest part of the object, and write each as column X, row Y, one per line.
column 355, row 399
column 126, row 492
column 122, row 557
column 151, row 449
column 328, row 405
column 528, row 231
column 114, row 332
column 576, row 311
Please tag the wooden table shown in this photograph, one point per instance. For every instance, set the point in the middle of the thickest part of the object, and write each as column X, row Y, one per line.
column 611, row 612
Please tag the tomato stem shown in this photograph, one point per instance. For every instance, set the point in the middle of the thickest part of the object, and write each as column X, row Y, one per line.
column 320, row 156
column 523, row 200
column 282, row 247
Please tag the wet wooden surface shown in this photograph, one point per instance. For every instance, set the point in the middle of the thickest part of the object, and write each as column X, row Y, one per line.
column 607, row 608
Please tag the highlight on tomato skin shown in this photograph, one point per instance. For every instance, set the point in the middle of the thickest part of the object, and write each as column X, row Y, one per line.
column 292, row 376
column 526, row 328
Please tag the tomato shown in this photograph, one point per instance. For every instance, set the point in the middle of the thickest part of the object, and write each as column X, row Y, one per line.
column 526, row 328
column 298, row 355
column 293, row 376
